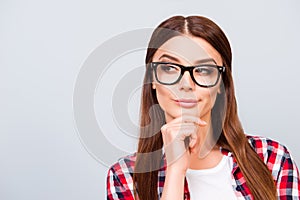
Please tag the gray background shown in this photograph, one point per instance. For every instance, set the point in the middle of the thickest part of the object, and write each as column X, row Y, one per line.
column 43, row 45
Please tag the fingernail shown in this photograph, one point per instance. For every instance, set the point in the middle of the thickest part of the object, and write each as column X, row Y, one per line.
column 203, row 122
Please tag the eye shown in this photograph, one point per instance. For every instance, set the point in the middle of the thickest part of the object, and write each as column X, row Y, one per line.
column 168, row 68
column 204, row 70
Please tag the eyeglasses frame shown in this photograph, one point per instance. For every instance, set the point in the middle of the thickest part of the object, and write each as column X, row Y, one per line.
column 190, row 69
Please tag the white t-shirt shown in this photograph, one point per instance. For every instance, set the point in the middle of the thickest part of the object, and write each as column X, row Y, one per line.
column 212, row 184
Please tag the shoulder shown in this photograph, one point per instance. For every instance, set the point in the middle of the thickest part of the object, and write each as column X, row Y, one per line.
column 274, row 154
column 281, row 165
column 266, row 146
column 120, row 174
column 124, row 165
column 119, row 180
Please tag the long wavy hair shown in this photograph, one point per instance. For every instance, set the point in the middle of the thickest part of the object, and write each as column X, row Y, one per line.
column 258, row 177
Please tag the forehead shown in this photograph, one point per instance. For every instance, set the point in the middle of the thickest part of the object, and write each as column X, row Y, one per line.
column 188, row 49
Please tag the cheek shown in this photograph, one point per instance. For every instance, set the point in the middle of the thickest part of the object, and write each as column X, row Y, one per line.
column 163, row 96
column 209, row 97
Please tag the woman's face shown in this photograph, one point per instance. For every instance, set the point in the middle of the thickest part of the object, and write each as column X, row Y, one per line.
column 187, row 51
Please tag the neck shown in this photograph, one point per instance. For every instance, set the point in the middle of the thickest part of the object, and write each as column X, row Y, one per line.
column 209, row 161
column 206, row 153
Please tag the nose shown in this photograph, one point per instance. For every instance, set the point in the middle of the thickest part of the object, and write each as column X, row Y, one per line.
column 186, row 83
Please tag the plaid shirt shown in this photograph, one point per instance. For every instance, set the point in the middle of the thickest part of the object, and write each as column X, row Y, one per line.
column 275, row 156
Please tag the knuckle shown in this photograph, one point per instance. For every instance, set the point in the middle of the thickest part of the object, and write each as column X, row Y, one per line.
column 163, row 128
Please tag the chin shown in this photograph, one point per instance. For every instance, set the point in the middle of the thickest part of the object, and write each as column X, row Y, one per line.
column 189, row 112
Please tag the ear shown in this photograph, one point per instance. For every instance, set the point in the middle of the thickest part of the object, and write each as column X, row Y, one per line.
column 219, row 90
column 153, row 86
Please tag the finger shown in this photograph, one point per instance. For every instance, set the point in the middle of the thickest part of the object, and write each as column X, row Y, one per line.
column 190, row 133
column 193, row 140
column 187, row 132
column 190, row 141
column 193, row 119
column 176, row 127
column 179, row 133
column 164, row 128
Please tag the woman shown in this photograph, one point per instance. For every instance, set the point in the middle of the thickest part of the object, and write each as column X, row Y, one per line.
column 192, row 145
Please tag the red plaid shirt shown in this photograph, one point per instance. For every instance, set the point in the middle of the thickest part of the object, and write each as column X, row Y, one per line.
column 276, row 156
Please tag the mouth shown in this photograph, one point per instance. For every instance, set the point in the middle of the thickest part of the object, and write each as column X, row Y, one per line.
column 186, row 103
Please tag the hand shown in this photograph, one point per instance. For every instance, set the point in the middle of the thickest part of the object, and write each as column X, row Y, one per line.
column 179, row 137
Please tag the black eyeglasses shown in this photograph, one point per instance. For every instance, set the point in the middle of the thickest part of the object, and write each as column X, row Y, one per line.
column 204, row 75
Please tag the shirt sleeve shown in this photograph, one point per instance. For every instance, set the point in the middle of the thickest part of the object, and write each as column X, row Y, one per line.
column 117, row 186
column 288, row 182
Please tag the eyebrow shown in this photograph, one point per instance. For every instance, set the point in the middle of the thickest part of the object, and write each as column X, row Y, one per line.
column 177, row 60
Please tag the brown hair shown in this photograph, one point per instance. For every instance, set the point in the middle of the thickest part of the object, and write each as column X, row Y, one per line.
column 257, row 175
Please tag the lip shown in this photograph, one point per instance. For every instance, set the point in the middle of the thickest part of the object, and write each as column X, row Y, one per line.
column 186, row 103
